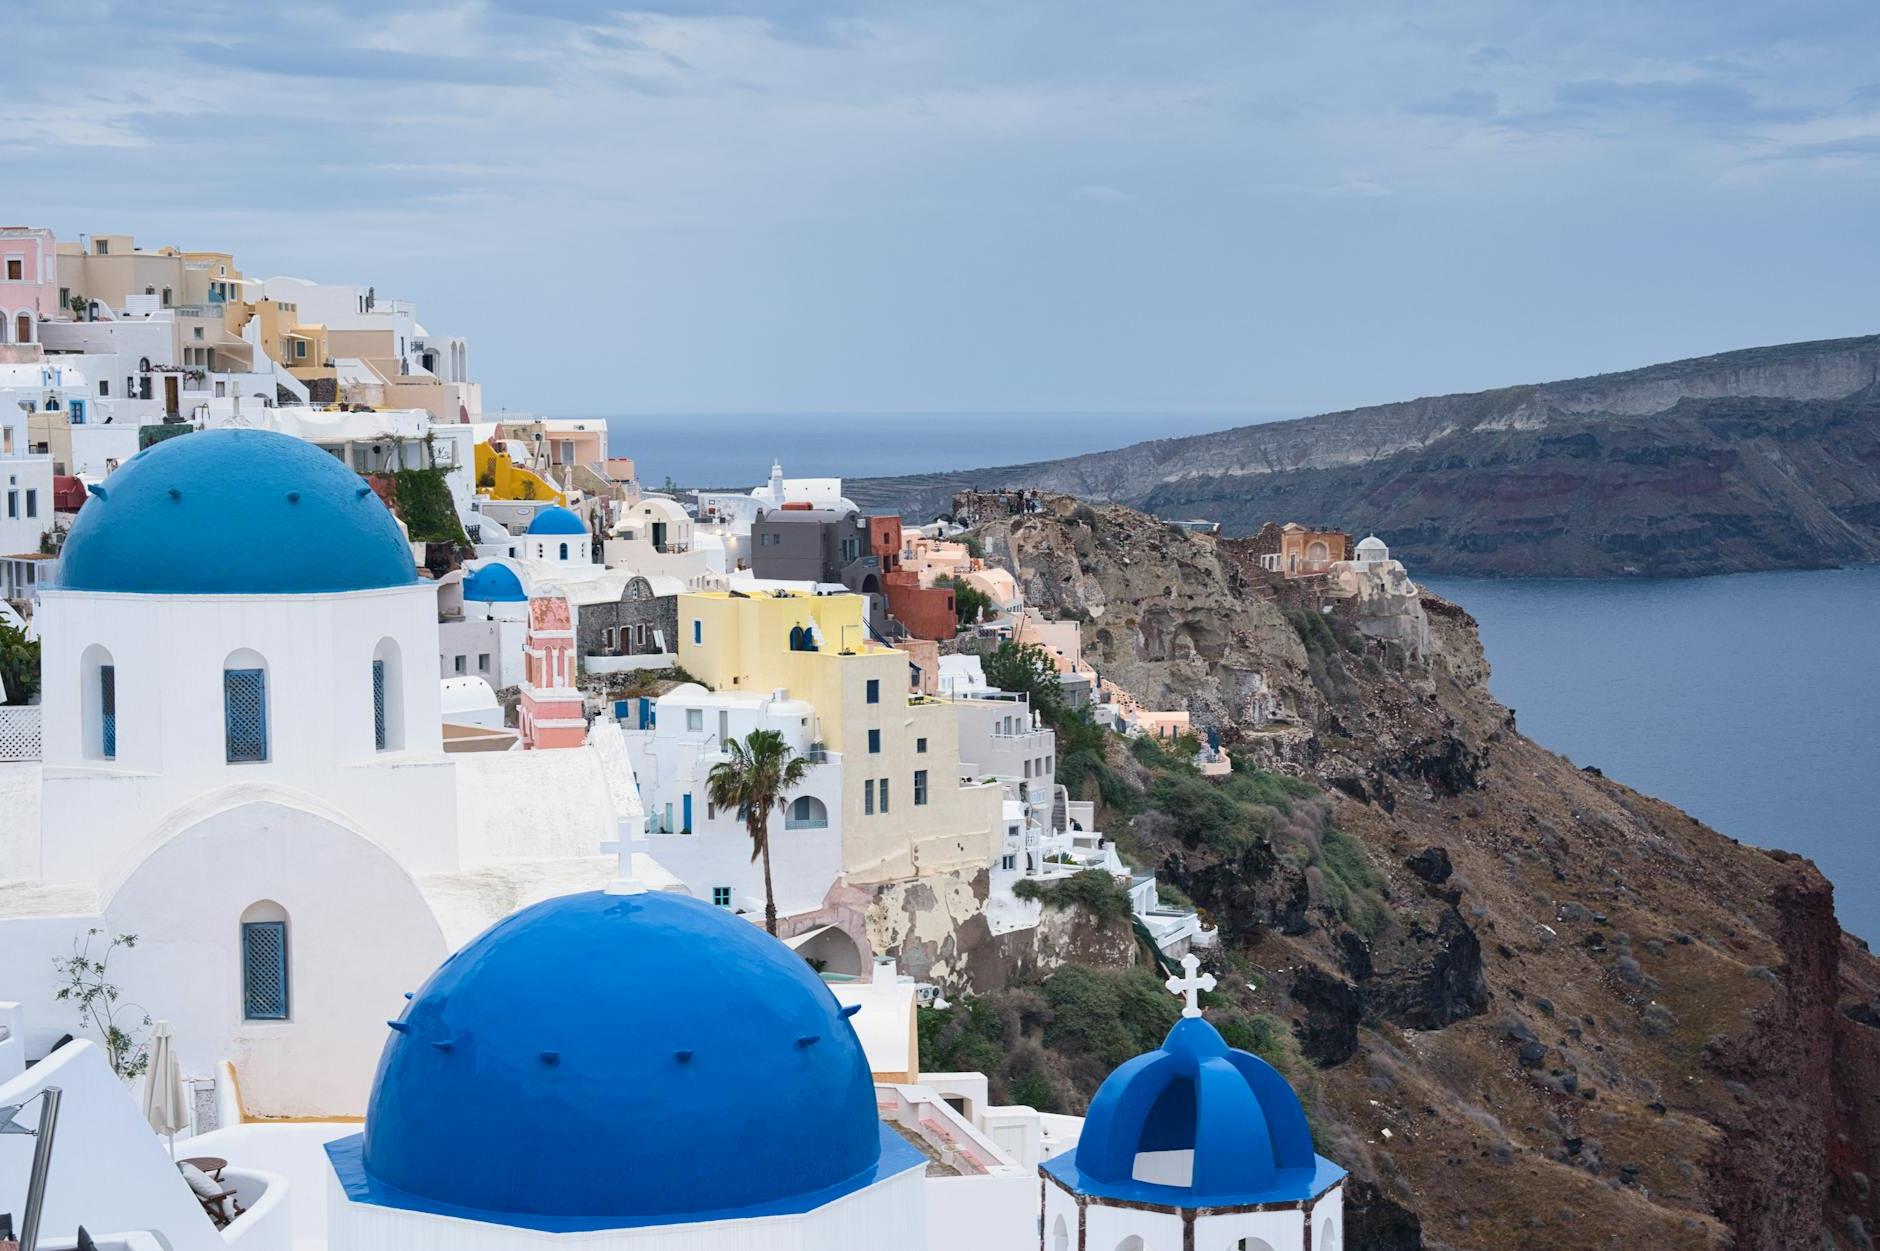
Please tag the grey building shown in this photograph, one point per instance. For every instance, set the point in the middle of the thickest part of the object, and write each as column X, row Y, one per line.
column 643, row 621
column 821, row 545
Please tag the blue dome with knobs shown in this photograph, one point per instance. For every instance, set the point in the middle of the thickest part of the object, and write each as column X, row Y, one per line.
column 234, row 512
column 494, row 584
column 558, row 520
column 1232, row 1116
column 614, row 1060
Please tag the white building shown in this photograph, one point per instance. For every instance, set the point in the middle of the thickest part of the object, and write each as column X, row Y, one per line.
column 674, row 741
column 242, row 764
column 26, row 475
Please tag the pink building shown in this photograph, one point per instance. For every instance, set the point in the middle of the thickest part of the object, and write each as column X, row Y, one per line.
column 29, row 282
column 550, row 712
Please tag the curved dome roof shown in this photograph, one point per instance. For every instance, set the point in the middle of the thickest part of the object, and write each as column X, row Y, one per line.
column 1233, row 1110
column 234, row 512
column 604, row 1061
column 557, row 520
column 494, row 584
column 1372, row 544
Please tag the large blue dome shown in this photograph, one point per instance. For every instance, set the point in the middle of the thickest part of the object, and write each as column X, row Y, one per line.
column 1233, row 1111
column 602, row 1061
column 234, row 512
column 557, row 520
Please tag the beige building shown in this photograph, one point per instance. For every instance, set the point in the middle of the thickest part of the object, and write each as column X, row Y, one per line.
column 905, row 808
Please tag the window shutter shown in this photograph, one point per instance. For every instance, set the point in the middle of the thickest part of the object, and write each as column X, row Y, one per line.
column 245, row 707
column 264, row 970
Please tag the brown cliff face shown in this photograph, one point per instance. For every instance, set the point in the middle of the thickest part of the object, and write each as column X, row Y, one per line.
column 1572, row 1016
column 1760, row 459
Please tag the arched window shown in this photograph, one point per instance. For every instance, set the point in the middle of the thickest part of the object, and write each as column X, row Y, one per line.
column 388, row 708
column 25, row 325
column 807, row 813
column 564, row 551
column 98, row 702
column 1328, row 1237
column 245, row 706
column 265, row 990
column 1060, row 1236
column 796, row 638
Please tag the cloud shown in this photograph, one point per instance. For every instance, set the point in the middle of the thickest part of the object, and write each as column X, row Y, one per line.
column 1707, row 101
column 326, row 60
column 1463, row 102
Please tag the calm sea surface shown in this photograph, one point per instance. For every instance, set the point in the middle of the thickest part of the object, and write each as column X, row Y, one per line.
column 1750, row 701
column 736, row 449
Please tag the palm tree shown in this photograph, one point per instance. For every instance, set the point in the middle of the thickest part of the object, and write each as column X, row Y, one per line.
column 756, row 776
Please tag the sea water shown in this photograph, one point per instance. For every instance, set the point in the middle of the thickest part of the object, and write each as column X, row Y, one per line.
column 1750, row 701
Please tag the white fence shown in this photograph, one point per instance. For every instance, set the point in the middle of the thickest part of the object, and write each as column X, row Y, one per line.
column 19, row 732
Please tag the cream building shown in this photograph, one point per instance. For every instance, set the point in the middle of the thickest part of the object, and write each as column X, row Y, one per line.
column 905, row 808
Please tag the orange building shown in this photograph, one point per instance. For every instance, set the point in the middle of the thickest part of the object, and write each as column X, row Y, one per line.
column 927, row 612
column 1295, row 551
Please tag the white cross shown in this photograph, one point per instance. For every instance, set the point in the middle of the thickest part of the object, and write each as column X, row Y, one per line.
column 1190, row 986
column 625, row 884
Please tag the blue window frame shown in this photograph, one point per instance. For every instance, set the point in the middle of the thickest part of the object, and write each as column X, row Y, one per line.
column 920, row 787
column 264, row 971
column 564, row 551
column 685, row 813
column 378, row 704
column 698, row 631
column 245, row 714
column 107, row 711
column 920, row 746
column 874, row 690
column 868, row 796
column 884, row 796
column 721, row 896
column 874, row 742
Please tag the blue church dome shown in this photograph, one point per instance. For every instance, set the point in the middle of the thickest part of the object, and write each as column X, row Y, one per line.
column 557, row 520
column 234, row 512
column 1233, row 1111
column 605, row 1061
column 494, row 584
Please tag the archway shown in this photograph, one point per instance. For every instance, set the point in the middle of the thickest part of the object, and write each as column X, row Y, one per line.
column 831, row 950
column 806, row 812
column 358, row 931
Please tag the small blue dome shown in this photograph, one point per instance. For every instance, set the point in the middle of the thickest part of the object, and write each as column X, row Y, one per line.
column 1231, row 1109
column 557, row 520
column 234, row 512
column 602, row 1061
column 494, row 584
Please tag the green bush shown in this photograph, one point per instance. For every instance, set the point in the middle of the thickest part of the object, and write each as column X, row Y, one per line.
column 425, row 506
column 1111, row 1015
column 1266, row 1036
column 19, row 666
column 1093, row 890
column 1026, row 668
column 968, row 600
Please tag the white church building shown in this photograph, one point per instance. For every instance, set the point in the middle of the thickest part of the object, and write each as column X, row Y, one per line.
column 242, row 765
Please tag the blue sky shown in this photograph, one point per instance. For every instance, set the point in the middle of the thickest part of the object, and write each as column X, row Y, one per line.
column 1194, row 207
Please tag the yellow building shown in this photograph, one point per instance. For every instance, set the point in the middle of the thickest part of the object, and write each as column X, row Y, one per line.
column 905, row 808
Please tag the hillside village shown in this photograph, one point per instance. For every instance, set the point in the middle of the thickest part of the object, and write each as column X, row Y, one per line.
column 242, row 515
column 1129, row 882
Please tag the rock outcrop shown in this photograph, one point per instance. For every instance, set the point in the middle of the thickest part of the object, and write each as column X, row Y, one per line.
column 1760, row 459
column 1536, row 1008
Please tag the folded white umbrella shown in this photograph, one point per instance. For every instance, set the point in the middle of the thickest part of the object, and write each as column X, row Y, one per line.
column 165, row 1101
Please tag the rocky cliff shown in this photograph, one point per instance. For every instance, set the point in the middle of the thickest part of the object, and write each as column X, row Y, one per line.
column 1759, row 459
column 1532, row 1006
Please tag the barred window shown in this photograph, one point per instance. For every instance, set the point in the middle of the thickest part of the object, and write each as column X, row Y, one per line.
column 245, row 711
column 107, row 711
column 378, row 704
column 264, row 971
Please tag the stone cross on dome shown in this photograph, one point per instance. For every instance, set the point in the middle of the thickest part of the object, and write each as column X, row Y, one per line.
column 1189, row 985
